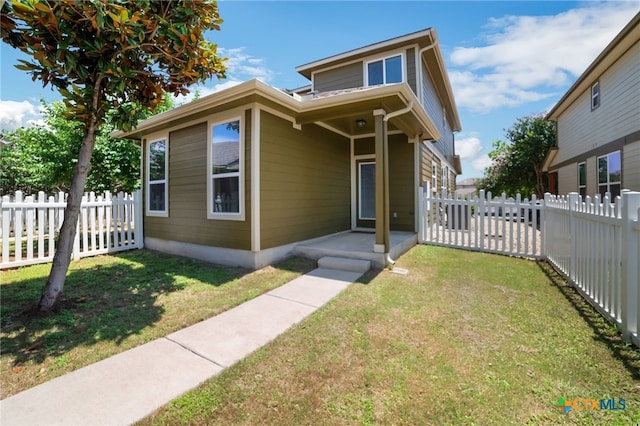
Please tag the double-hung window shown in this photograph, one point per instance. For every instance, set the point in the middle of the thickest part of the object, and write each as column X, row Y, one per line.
column 610, row 174
column 434, row 176
column 595, row 95
column 582, row 179
column 157, row 168
column 384, row 71
column 226, row 187
column 445, row 177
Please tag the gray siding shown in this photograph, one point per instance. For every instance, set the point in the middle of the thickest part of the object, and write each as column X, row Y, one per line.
column 344, row 77
column 433, row 106
column 410, row 54
column 631, row 167
column 580, row 129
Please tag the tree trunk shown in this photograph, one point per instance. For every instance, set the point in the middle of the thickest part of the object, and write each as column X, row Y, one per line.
column 53, row 289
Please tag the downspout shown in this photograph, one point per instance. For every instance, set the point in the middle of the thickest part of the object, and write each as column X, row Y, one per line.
column 387, row 227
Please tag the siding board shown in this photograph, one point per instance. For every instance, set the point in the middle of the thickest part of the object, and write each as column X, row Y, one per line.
column 305, row 182
column 344, row 77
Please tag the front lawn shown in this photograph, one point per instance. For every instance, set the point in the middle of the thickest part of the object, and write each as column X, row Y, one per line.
column 464, row 338
column 114, row 303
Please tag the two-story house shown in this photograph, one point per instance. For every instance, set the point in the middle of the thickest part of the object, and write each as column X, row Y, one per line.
column 243, row 175
column 598, row 123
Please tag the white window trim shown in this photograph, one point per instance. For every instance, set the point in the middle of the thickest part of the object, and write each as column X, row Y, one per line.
column 403, row 67
column 585, row 171
column 444, row 172
column 434, row 176
column 596, row 96
column 233, row 115
column 609, row 182
column 360, row 217
column 148, row 211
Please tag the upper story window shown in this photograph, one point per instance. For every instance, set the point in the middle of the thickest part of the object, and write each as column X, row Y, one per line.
column 226, row 186
column 610, row 174
column 157, row 171
column 582, row 179
column 595, row 95
column 384, row 71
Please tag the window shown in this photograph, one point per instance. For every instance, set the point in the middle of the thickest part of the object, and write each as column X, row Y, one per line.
column 445, row 177
column 610, row 174
column 157, row 166
column 595, row 95
column 582, row 179
column 226, row 171
column 384, row 71
column 434, row 176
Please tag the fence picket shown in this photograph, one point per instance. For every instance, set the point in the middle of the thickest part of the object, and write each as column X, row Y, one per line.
column 30, row 226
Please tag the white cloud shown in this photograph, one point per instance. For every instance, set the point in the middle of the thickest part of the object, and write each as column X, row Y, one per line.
column 468, row 148
column 242, row 66
column 481, row 163
column 14, row 115
column 531, row 58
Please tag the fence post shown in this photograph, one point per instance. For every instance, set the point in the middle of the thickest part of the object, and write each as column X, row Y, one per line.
column 574, row 198
column 139, row 221
column 630, row 256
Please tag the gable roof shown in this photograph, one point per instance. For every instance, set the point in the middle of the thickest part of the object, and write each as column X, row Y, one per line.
column 427, row 41
column 629, row 35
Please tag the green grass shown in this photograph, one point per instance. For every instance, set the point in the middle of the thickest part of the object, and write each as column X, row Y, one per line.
column 465, row 338
column 113, row 303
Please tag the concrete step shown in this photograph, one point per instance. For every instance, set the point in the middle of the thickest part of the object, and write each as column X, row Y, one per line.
column 344, row 264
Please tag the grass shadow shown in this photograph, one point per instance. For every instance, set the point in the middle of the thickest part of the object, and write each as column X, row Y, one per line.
column 605, row 331
column 99, row 303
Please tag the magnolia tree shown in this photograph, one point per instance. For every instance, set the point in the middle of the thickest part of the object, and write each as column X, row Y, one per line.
column 516, row 164
column 102, row 56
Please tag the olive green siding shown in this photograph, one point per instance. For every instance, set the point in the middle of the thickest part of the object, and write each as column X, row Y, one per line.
column 344, row 77
column 305, row 184
column 401, row 184
column 364, row 146
column 187, row 221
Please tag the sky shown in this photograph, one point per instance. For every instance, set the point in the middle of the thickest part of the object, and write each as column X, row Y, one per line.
column 505, row 59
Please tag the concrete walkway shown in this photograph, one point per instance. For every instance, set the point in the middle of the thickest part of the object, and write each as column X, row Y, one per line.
column 129, row 386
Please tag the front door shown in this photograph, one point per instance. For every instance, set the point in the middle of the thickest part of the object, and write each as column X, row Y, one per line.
column 366, row 194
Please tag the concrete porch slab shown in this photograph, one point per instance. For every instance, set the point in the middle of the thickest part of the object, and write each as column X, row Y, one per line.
column 356, row 245
column 344, row 264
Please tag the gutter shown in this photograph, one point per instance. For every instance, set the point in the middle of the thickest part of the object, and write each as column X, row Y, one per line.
column 386, row 215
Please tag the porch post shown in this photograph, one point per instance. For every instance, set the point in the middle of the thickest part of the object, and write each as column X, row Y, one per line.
column 380, row 245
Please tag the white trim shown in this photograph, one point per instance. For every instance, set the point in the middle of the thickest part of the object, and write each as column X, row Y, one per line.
column 598, row 96
column 372, row 135
column 255, row 178
column 353, row 182
column 383, row 58
column 159, row 137
column 417, row 172
column 279, row 114
column 237, row 114
column 359, row 196
column 434, row 175
column 332, row 129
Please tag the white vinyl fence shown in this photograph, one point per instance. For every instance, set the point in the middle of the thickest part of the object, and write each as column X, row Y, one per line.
column 30, row 225
column 594, row 243
column 501, row 225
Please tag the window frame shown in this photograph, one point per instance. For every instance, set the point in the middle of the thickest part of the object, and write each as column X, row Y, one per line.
column 444, row 172
column 383, row 59
column 595, row 95
column 434, row 176
column 231, row 116
column 148, row 211
column 608, row 182
column 582, row 187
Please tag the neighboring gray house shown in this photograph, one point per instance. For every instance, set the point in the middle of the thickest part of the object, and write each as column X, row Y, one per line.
column 598, row 123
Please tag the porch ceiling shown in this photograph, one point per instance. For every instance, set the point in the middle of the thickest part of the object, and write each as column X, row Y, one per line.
column 342, row 113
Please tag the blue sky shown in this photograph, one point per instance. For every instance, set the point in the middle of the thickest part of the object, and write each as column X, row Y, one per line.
column 505, row 59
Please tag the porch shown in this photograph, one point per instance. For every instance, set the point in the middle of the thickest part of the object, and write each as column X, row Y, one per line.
column 357, row 245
